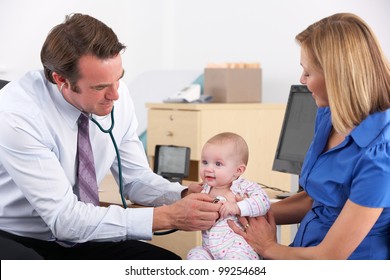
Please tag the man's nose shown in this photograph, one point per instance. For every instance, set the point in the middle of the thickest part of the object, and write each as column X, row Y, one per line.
column 112, row 94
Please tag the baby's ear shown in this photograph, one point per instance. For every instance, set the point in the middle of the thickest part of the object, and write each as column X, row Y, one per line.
column 240, row 170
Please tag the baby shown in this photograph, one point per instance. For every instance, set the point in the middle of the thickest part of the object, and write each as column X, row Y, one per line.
column 224, row 159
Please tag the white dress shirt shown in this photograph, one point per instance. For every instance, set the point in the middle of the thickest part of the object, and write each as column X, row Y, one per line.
column 38, row 143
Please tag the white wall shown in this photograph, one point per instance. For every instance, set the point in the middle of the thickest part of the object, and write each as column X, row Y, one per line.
column 186, row 34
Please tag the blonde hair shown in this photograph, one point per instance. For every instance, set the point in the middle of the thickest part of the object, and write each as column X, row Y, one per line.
column 356, row 71
column 239, row 144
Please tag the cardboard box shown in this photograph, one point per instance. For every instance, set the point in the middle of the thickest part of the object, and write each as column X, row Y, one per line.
column 233, row 84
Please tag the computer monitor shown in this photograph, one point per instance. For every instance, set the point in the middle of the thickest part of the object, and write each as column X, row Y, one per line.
column 297, row 131
column 172, row 162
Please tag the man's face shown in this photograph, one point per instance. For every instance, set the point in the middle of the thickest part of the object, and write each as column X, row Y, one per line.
column 98, row 85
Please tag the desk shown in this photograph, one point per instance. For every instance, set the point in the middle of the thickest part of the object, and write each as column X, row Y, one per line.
column 179, row 242
column 109, row 193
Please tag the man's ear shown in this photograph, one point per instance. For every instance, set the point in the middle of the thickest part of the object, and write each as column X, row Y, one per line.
column 59, row 80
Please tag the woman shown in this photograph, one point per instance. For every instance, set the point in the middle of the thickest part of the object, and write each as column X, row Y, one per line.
column 344, row 210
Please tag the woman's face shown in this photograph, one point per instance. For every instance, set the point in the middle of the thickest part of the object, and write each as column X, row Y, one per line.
column 314, row 80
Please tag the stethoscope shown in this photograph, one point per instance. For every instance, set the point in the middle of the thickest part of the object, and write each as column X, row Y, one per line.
column 109, row 131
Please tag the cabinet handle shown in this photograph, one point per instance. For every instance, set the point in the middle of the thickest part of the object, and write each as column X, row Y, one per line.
column 169, row 133
column 171, row 117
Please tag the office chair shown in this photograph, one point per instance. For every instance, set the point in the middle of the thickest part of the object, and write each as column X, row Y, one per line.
column 3, row 83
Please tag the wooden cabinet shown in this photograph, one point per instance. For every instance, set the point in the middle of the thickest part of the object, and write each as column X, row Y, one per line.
column 192, row 125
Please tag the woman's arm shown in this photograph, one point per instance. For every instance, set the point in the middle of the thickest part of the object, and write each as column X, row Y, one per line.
column 345, row 235
column 291, row 210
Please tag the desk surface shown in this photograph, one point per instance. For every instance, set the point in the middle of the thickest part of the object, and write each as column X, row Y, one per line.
column 109, row 192
column 216, row 106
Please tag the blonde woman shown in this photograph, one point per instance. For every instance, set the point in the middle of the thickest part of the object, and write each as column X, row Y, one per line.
column 344, row 210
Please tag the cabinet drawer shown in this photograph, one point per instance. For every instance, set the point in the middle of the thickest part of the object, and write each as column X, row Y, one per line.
column 173, row 127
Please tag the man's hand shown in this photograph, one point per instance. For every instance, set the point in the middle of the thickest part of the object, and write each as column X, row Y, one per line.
column 193, row 212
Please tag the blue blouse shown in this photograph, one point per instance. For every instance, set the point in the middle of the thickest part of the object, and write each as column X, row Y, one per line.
column 357, row 169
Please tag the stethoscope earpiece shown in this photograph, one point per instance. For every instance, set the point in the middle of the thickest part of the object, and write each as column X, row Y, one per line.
column 62, row 86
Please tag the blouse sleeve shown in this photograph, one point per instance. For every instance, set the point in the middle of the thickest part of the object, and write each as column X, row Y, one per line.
column 371, row 183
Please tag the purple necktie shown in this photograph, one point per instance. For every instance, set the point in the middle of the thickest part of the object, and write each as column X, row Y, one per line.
column 86, row 174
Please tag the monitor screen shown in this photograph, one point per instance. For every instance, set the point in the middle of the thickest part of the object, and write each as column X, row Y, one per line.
column 172, row 161
column 297, row 131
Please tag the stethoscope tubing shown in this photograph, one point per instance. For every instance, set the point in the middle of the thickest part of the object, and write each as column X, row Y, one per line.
column 109, row 131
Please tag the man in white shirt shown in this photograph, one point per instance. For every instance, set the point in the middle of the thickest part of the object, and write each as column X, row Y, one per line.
column 39, row 205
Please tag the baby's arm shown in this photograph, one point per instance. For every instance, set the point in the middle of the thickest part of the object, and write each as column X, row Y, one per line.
column 256, row 201
column 195, row 188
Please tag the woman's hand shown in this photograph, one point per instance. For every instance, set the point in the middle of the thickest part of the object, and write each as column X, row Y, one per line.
column 259, row 232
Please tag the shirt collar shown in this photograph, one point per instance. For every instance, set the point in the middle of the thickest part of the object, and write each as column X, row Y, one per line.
column 67, row 110
column 373, row 124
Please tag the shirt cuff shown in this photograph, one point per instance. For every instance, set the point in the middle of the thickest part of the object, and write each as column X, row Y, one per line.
column 139, row 223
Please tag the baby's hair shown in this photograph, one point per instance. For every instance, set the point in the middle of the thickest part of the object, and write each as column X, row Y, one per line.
column 239, row 143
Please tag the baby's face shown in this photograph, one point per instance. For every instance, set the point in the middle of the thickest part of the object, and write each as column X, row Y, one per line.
column 218, row 164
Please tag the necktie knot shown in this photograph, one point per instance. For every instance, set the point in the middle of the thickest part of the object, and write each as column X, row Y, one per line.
column 83, row 122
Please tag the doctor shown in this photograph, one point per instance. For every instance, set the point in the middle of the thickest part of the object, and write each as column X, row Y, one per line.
column 40, row 199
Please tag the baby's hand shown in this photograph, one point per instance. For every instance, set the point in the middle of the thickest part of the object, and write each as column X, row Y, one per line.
column 195, row 188
column 228, row 209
